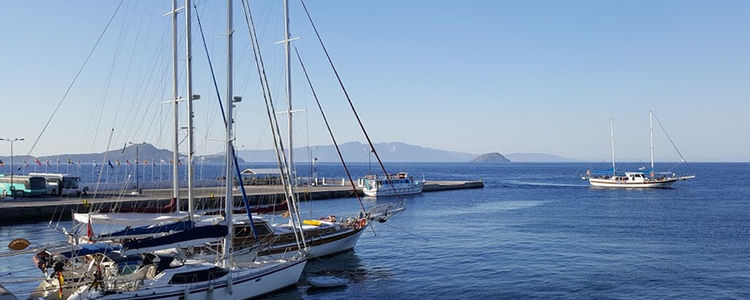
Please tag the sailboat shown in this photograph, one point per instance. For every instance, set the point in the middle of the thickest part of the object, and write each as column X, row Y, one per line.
column 633, row 179
column 141, row 269
column 324, row 236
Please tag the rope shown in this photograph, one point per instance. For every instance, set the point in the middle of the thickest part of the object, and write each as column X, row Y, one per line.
column 75, row 78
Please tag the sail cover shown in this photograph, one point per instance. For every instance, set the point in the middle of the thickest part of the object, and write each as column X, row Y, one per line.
column 86, row 249
column 151, row 229
column 129, row 219
column 190, row 237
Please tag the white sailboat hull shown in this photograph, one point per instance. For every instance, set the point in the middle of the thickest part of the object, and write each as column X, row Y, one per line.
column 341, row 245
column 319, row 247
column 245, row 283
column 609, row 183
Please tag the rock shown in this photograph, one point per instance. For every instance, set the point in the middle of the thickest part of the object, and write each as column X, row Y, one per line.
column 493, row 157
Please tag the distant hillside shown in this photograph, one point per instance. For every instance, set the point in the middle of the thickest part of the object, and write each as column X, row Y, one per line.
column 358, row 152
column 537, row 157
column 493, row 157
column 123, row 154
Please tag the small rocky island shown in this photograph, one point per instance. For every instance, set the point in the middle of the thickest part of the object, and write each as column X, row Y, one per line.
column 493, row 157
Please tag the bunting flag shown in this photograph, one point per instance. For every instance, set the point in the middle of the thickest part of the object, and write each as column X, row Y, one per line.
column 118, row 162
column 179, row 162
column 171, row 161
column 47, row 162
column 58, row 161
column 110, row 164
column 26, row 163
column 70, row 162
column 136, row 161
column 162, row 162
column 95, row 165
column 127, row 161
column 90, row 231
column 2, row 164
column 37, row 161
column 145, row 162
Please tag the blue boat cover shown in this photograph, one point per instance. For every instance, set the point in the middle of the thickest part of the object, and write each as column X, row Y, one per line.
column 87, row 249
column 178, row 226
column 195, row 233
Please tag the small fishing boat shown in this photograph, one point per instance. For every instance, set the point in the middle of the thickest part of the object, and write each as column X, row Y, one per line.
column 399, row 184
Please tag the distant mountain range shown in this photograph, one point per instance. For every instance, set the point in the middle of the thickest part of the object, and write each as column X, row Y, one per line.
column 390, row 152
column 537, row 157
column 358, row 152
column 352, row 152
column 129, row 153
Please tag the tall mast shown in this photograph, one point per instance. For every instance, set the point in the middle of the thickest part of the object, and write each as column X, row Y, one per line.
column 189, row 97
column 612, row 145
column 175, row 97
column 229, row 199
column 287, row 39
column 651, row 134
column 290, row 163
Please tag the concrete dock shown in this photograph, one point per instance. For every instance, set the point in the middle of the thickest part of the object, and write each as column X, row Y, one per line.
column 25, row 210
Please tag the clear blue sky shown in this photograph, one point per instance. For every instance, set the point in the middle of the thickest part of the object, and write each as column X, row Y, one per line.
column 470, row 76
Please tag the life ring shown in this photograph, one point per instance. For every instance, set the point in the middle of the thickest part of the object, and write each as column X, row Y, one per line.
column 362, row 222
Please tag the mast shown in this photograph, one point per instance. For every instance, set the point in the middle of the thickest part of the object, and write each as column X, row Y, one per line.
column 612, row 145
column 229, row 199
column 290, row 162
column 175, row 96
column 287, row 39
column 189, row 97
column 651, row 134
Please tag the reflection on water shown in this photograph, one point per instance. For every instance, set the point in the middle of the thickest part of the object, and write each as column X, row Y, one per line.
column 534, row 231
column 346, row 265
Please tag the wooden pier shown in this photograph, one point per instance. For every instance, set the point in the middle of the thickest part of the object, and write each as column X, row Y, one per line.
column 25, row 210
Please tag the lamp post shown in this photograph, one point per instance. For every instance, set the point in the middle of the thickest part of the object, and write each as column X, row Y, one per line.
column 137, row 159
column 12, row 189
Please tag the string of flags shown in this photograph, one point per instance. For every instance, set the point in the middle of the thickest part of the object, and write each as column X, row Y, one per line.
column 111, row 164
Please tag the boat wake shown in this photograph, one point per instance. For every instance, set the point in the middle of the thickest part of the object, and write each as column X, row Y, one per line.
column 508, row 205
column 547, row 184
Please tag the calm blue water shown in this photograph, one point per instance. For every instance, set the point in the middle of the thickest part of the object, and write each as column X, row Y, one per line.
column 535, row 230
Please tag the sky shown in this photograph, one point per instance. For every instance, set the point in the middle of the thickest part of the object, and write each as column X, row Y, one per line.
column 469, row 76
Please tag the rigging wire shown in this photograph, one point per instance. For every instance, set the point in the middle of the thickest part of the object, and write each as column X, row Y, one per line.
column 672, row 142
column 271, row 113
column 125, row 80
column 75, row 78
column 351, row 104
column 330, row 132
column 226, row 123
column 109, row 80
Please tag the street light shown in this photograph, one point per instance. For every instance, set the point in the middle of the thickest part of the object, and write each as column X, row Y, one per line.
column 137, row 160
column 12, row 188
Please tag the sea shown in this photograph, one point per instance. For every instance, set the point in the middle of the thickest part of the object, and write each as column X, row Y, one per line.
column 536, row 230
